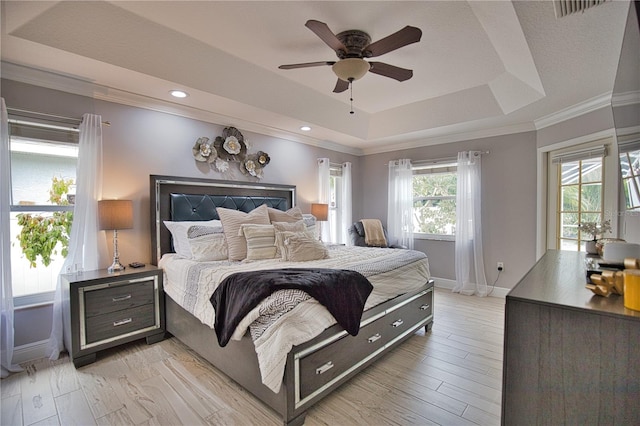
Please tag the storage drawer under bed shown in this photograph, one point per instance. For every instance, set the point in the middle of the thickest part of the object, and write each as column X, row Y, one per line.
column 336, row 358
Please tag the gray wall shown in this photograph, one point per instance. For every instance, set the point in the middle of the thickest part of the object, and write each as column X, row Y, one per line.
column 508, row 202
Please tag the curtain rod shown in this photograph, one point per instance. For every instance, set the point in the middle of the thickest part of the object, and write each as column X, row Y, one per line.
column 438, row 160
column 52, row 117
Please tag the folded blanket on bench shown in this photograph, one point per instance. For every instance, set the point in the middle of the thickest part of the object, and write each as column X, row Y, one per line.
column 342, row 292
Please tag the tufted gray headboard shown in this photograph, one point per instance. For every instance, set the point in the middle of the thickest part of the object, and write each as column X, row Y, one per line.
column 179, row 198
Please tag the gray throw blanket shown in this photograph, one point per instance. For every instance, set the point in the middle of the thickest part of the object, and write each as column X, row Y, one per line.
column 342, row 292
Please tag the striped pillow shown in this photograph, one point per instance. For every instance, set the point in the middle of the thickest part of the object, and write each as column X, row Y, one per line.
column 261, row 241
column 231, row 221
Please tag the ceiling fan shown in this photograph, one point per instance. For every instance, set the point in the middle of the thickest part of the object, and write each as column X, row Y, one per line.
column 352, row 46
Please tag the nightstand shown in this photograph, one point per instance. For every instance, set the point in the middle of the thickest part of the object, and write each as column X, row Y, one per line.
column 102, row 310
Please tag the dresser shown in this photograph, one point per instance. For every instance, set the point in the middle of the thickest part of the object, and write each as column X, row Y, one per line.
column 102, row 310
column 570, row 357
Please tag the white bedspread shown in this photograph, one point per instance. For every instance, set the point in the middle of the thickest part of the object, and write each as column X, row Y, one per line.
column 391, row 272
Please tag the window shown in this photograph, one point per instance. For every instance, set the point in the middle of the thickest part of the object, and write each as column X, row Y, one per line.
column 578, row 192
column 434, row 200
column 335, row 196
column 580, row 200
column 43, row 172
column 630, row 172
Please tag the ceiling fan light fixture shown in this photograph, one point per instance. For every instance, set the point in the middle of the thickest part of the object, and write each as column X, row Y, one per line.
column 350, row 69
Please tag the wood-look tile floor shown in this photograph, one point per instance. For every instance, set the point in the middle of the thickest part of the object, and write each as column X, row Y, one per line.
column 450, row 376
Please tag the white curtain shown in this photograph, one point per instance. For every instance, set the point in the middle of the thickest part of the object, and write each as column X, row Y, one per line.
column 324, row 194
column 6, row 316
column 400, row 203
column 345, row 205
column 86, row 244
column 470, row 276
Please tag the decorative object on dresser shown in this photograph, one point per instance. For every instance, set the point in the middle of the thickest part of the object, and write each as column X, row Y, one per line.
column 321, row 213
column 594, row 229
column 115, row 215
column 102, row 309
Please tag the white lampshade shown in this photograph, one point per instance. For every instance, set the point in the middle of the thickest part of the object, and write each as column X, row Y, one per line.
column 351, row 68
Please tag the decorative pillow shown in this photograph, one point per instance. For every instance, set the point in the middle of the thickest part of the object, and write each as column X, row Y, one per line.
column 310, row 222
column 179, row 234
column 294, row 214
column 261, row 243
column 301, row 247
column 207, row 243
column 231, row 221
column 281, row 227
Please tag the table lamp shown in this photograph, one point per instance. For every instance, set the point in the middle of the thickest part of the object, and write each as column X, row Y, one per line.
column 321, row 212
column 115, row 215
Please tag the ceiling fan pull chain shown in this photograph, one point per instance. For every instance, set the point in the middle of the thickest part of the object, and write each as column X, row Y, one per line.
column 351, row 95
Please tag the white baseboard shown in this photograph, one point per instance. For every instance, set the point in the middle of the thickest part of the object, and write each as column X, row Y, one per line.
column 449, row 284
column 30, row 351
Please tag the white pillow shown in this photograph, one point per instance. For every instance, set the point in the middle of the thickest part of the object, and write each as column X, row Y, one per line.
column 207, row 243
column 231, row 221
column 301, row 247
column 261, row 241
column 179, row 234
column 280, row 228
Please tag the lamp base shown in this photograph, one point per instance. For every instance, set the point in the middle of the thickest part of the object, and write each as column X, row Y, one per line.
column 116, row 266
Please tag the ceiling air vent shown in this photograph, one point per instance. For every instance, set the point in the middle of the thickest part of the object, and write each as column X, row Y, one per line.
column 567, row 7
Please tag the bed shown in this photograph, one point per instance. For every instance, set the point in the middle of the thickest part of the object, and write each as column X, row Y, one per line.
column 313, row 368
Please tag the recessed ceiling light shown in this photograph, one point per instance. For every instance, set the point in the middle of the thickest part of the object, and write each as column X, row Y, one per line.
column 305, row 128
column 179, row 94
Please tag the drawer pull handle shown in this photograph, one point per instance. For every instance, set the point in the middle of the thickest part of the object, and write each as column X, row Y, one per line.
column 121, row 298
column 374, row 337
column 325, row 367
column 122, row 322
column 397, row 323
column 424, row 307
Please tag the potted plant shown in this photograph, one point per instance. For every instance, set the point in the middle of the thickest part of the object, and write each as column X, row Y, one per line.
column 594, row 229
column 40, row 234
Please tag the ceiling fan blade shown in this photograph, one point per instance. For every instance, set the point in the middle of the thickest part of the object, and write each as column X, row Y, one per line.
column 322, row 30
column 341, row 86
column 391, row 71
column 306, row 65
column 405, row 36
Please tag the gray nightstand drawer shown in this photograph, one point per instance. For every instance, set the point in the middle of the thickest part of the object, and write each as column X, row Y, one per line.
column 119, row 323
column 103, row 309
column 118, row 297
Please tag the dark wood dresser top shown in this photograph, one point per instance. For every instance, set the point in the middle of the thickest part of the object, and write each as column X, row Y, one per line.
column 559, row 279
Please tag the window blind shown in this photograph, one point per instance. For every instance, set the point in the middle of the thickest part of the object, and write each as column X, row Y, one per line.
column 435, row 166
column 41, row 132
column 628, row 146
column 581, row 154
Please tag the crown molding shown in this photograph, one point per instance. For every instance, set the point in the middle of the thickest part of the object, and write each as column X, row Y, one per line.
column 625, row 98
column 453, row 133
column 574, row 111
column 453, row 137
column 49, row 80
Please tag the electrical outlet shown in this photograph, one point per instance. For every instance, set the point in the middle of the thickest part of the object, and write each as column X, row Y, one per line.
column 500, row 266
